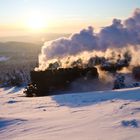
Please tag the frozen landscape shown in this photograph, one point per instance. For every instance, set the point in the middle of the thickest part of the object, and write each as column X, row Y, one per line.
column 100, row 115
column 90, row 47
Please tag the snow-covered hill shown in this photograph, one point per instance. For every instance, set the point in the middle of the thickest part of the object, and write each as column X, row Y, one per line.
column 104, row 115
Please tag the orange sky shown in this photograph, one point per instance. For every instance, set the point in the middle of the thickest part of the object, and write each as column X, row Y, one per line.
column 22, row 17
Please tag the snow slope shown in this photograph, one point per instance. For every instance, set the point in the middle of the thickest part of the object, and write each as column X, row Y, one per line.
column 104, row 115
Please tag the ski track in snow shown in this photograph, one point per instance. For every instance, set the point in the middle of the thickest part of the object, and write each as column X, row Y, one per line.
column 102, row 115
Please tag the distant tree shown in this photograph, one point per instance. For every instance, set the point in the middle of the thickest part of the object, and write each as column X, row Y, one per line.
column 119, row 82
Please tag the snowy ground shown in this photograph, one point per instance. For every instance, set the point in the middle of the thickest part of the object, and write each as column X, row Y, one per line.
column 106, row 115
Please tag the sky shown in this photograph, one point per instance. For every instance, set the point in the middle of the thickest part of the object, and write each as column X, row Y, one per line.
column 18, row 17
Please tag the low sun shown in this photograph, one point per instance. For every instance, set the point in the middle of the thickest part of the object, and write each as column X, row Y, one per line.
column 35, row 22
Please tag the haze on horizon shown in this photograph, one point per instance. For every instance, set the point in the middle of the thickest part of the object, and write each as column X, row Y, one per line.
column 24, row 17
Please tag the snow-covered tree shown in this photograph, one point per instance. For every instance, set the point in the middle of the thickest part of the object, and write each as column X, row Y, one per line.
column 119, row 82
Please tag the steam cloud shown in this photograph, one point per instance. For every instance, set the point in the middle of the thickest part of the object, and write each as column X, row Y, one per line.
column 119, row 38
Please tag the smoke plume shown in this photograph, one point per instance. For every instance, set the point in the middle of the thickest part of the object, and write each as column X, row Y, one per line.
column 113, row 44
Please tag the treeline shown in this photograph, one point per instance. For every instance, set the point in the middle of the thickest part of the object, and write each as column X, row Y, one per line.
column 23, row 58
column 15, row 76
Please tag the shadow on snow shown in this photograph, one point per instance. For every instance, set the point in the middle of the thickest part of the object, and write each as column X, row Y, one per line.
column 89, row 98
column 4, row 123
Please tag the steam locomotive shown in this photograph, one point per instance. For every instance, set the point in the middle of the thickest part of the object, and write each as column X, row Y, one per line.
column 50, row 81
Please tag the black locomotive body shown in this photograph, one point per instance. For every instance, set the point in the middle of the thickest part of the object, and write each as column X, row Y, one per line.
column 48, row 82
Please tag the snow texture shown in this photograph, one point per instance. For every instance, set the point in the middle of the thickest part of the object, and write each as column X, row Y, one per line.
column 101, row 115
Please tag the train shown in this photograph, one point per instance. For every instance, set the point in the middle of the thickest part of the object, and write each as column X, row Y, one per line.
column 50, row 81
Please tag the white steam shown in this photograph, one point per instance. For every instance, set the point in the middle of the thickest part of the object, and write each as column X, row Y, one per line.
column 112, row 42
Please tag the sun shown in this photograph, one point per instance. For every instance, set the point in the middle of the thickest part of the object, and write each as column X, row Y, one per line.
column 36, row 21
column 35, row 24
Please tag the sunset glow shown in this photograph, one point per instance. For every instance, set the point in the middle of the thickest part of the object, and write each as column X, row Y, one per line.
column 63, row 16
column 35, row 22
column 70, row 69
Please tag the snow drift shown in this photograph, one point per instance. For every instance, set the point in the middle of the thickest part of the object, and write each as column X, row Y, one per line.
column 114, row 114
